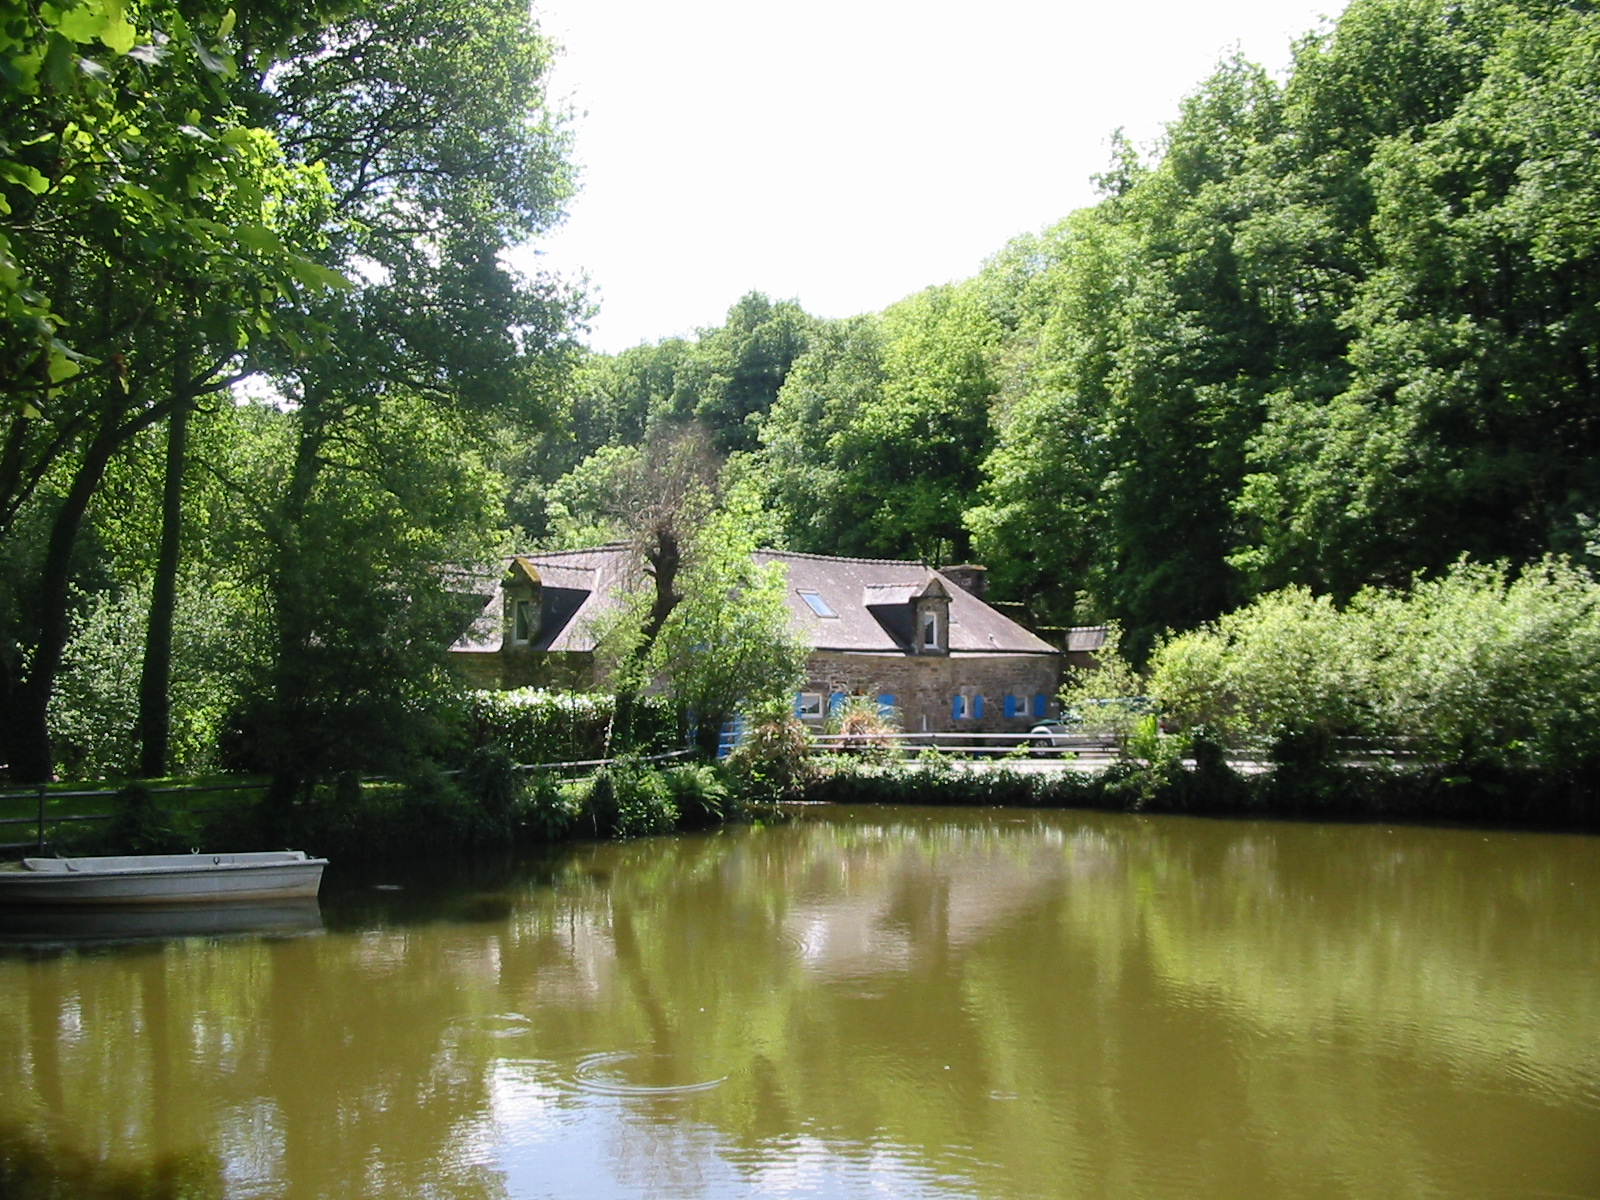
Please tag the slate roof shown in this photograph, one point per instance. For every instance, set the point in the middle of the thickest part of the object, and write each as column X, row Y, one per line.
column 1087, row 638
column 579, row 587
column 872, row 599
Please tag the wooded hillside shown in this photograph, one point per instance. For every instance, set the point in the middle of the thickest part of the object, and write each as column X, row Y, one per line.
column 1333, row 331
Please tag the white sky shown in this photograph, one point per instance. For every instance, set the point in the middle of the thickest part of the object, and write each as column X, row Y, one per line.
column 847, row 153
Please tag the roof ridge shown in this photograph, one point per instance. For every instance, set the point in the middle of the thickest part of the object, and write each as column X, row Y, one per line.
column 539, row 555
column 845, row 558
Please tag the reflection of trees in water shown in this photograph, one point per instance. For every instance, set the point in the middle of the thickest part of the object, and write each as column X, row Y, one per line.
column 33, row 1167
column 1017, row 1001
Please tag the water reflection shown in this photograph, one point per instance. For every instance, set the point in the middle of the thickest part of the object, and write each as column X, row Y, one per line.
column 46, row 929
column 862, row 1003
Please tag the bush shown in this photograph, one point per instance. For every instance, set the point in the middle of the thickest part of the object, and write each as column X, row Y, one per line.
column 532, row 725
column 1108, row 699
column 550, row 808
column 773, row 760
column 700, row 794
column 873, row 735
column 626, row 800
column 141, row 825
column 1479, row 669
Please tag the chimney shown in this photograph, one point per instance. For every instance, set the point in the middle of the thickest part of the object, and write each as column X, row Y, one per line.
column 969, row 578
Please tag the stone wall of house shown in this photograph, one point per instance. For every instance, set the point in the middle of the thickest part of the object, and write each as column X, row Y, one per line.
column 480, row 671
column 924, row 687
column 514, row 667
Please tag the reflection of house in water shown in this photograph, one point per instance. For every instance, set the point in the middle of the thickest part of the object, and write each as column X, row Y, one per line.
column 885, row 909
column 924, row 643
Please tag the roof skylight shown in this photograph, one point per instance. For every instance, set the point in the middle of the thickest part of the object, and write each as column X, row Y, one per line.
column 817, row 603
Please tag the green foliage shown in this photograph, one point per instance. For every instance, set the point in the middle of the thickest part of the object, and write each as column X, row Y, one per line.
column 93, row 711
column 532, row 725
column 1106, row 699
column 141, row 824
column 628, row 799
column 1481, row 668
column 1335, row 332
column 875, row 441
column 550, row 808
column 490, row 779
column 774, row 759
column 701, row 795
column 809, row 472
column 585, row 506
column 1288, row 663
column 726, row 645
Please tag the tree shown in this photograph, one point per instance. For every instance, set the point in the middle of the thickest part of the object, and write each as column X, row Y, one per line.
column 1464, row 419
column 147, row 218
column 725, row 644
column 875, row 441
column 806, row 459
column 430, row 122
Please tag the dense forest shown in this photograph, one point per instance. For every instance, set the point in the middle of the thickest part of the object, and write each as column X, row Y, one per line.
column 266, row 379
column 1333, row 331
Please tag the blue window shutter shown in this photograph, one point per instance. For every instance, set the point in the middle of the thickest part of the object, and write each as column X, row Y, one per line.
column 835, row 703
column 886, row 705
column 1010, row 705
column 1038, row 705
column 977, row 708
column 955, row 708
column 799, row 703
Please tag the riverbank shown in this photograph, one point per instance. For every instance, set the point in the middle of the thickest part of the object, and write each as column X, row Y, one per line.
column 493, row 805
column 1208, row 786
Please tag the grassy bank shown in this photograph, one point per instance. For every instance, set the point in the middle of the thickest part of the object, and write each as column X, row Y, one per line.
column 493, row 806
column 490, row 804
column 1497, row 797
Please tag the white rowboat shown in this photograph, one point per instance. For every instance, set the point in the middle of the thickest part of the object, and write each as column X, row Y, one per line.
column 161, row 878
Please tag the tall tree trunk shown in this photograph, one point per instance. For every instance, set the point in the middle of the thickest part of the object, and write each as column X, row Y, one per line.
column 155, row 680
column 665, row 556
column 29, row 701
column 293, row 625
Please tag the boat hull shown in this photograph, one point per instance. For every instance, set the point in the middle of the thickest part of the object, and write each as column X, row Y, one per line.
column 162, row 879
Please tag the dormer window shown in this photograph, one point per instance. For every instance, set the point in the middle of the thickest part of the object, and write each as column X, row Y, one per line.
column 524, row 595
column 931, row 606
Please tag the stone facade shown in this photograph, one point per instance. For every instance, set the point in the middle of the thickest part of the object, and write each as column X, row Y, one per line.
column 876, row 628
column 924, row 687
column 519, row 667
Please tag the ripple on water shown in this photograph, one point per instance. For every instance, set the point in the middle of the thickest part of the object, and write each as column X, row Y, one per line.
column 615, row 1073
column 495, row 1025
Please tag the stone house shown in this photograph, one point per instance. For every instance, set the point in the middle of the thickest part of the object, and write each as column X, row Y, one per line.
column 919, row 641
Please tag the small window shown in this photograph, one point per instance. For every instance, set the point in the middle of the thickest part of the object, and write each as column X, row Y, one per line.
column 522, row 622
column 808, row 704
column 930, row 632
column 817, row 603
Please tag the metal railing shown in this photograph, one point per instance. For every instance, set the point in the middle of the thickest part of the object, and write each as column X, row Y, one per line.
column 976, row 744
column 44, row 794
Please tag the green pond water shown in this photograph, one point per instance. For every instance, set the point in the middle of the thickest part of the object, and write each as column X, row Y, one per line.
column 859, row 1003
